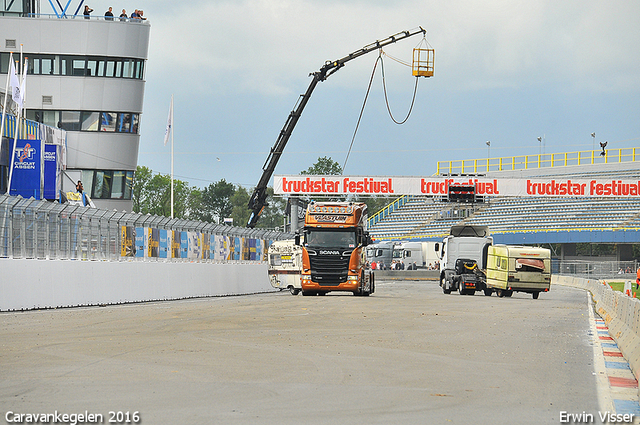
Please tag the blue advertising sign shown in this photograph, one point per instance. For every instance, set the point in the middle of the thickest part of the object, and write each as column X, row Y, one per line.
column 27, row 166
column 237, row 249
column 184, row 244
column 164, row 244
column 50, row 172
column 139, row 241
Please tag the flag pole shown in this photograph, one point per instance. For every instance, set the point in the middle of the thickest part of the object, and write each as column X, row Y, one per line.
column 15, row 138
column 4, row 106
column 172, row 156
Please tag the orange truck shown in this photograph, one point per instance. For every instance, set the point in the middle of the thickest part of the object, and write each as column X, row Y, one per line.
column 333, row 243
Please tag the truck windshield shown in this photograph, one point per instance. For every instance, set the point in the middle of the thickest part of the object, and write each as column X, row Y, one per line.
column 331, row 238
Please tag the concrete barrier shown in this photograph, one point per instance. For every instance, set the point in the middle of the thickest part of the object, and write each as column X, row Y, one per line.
column 34, row 284
column 620, row 312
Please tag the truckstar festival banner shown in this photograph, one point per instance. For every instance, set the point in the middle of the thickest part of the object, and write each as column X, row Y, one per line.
column 439, row 186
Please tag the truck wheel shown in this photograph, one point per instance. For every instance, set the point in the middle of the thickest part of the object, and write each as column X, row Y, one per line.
column 500, row 293
column 446, row 291
column 460, row 290
column 488, row 292
column 536, row 295
column 508, row 293
column 308, row 293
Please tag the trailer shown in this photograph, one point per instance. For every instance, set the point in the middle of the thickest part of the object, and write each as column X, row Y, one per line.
column 518, row 269
column 285, row 266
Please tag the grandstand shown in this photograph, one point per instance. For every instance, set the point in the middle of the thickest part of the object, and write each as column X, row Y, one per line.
column 522, row 220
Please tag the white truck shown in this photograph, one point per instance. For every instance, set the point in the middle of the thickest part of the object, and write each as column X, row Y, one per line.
column 416, row 255
column 463, row 257
column 285, row 265
column 380, row 252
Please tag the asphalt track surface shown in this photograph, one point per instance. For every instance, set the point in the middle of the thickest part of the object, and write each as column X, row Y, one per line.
column 407, row 354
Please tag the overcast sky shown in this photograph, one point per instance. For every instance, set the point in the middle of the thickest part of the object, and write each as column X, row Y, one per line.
column 507, row 72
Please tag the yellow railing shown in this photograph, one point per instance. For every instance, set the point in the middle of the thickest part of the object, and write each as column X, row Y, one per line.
column 548, row 160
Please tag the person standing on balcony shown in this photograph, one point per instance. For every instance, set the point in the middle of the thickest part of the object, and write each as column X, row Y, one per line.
column 87, row 12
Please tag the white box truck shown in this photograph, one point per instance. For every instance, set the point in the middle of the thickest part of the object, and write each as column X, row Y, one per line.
column 416, row 255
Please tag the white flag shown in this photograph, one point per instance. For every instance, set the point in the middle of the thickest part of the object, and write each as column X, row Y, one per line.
column 23, row 91
column 169, row 123
column 16, row 91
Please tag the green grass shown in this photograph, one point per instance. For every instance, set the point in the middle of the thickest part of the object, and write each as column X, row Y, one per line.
column 619, row 286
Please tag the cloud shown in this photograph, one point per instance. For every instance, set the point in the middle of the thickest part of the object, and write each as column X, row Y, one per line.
column 270, row 46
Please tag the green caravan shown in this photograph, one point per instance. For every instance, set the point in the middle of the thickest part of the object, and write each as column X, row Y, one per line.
column 518, row 269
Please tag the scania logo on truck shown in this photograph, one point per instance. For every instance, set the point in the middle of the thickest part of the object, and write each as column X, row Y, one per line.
column 325, row 252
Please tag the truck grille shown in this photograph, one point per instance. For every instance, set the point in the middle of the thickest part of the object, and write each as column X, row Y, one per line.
column 329, row 269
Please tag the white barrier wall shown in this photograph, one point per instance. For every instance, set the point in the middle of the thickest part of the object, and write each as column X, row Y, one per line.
column 620, row 312
column 33, row 284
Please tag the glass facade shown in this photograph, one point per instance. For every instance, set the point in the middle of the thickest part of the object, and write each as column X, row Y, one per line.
column 119, row 122
column 108, row 184
column 74, row 65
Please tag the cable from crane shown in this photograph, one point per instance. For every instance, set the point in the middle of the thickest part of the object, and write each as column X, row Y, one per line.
column 386, row 99
column 362, row 110
column 384, row 85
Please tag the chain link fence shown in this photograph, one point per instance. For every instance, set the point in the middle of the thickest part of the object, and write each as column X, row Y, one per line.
column 590, row 269
column 48, row 230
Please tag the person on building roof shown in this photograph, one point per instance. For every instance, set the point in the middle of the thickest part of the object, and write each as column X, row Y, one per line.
column 87, row 12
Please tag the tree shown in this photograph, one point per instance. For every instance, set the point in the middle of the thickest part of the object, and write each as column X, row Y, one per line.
column 140, row 182
column 152, row 194
column 324, row 166
column 215, row 202
column 273, row 214
column 240, row 213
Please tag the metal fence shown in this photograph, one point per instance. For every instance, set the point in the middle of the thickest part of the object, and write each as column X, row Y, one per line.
column 48, row 230
column 590, row 269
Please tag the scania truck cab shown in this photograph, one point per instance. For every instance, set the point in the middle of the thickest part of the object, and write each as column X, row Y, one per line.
column 333, row 243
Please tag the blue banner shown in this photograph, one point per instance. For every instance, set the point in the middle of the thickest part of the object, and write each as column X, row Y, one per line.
column 50, row 172
column 139, row 242
column 184, row 244
column 27, row 168
column 164, row 245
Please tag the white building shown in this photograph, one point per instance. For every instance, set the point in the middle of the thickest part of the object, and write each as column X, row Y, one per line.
column 87, row 77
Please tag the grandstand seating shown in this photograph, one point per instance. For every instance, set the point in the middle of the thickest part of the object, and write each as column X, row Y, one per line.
column 423, row 217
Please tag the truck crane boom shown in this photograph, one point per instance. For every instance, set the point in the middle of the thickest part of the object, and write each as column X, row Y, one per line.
column 258, row 199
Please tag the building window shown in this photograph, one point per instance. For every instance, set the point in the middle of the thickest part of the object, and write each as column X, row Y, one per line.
column 90, row 121
column 122, row 122
column 108, row 121
column 108, row 184
column 70, row 120
column 76, row 65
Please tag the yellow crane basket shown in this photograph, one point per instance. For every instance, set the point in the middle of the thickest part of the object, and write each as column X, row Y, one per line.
column 423, row 59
